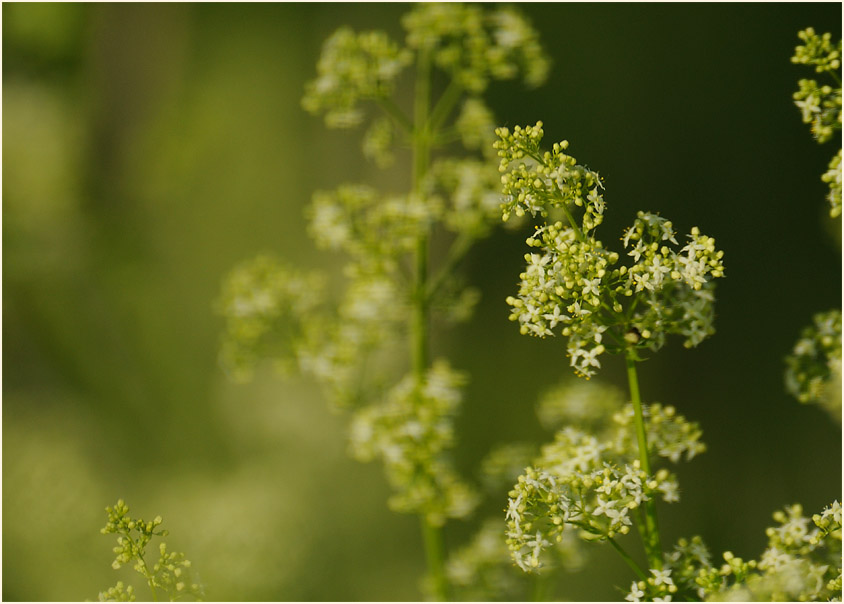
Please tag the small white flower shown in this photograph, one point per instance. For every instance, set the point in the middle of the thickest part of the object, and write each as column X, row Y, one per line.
column 635, row 593
column 662, row 577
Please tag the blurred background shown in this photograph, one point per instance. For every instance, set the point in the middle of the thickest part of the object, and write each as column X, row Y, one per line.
column 147, row 149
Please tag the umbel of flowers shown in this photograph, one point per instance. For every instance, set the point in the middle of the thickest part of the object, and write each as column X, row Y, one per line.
column 574, row 286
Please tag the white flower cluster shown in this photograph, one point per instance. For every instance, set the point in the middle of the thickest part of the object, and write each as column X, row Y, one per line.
column 669, row 435
column 802, row 563
column 410, row 430
column 351, row 68
column 571, row 285
column 475, row 46
column 658, row 587
column 813, row 369
column 592, row 483
column 596, row 500
column 820, row 105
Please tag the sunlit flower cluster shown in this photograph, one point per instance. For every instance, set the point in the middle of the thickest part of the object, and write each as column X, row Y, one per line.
column 572, row 285
column 170, row 573
column 802, row 562
column 591, row 484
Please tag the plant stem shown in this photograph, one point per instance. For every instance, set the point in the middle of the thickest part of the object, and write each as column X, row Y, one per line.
column 653, row 549
column 432, row 534
column 540, row 587
column 435, row 555
column 626, row 557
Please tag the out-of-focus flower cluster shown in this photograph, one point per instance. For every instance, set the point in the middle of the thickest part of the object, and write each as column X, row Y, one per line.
column 571, row 284
column 818, row 51
column 353, row 67
column 820, row 104
column 358, row 347
column 475, row 46
column 410, row 430
column 813, row 369
column 170, row 573
column 259, row 299
column 801, row 563
column 588, row 484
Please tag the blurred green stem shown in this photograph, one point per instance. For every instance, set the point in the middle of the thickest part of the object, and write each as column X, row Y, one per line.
column 653, row 549
column 432, row 534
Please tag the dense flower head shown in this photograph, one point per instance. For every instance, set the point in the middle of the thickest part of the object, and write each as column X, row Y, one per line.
column 572, row 284
column 534, row 181
column 410, row 431
column 170, row 573
column 475, row 45
column 813, row 369
column 801, row 563
column 587, row 484
column 353, row 67
column 820, row 106
column 595, row 501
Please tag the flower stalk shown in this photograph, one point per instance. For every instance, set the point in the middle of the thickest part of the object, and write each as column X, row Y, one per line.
column 653, row 549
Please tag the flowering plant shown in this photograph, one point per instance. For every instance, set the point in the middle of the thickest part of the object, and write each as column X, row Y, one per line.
column 603, row 473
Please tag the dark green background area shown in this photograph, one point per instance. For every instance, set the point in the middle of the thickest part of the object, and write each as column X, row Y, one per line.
column 148, row 149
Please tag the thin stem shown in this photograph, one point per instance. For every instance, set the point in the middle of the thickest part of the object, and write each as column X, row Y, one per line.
column 391, row 109
column 434, row 553
column 432, row 534
column 445, row 104
column 421, row 159
column 626, row 557
column 578, row 233
column 541, row 587
column 145, row 570
column 456, row 253
column 653, row 549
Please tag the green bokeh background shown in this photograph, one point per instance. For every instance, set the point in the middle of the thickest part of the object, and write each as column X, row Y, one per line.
column 147, row 149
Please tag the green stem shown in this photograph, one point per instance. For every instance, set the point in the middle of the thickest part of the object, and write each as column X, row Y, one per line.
column 432, row 534
column 541, row 587
column 434, row 553
column 444, row 105
column 391, row 109
column 456, row 253
column 578, row 233
column 653, row 549
column 626, row 557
